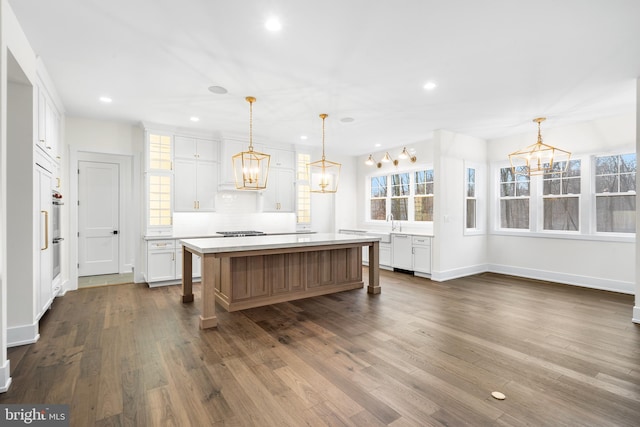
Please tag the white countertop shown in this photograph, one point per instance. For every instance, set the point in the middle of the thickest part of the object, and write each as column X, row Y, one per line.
column 215, row 235
column 250, row 243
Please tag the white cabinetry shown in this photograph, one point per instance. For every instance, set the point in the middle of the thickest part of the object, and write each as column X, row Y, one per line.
column 48, row 132
column 43, row 249
column 402, row 249
column 385, row 256
column 195, row 174
column 421, row 256
column 161, row 260
column 164, row 262
column 279, row 194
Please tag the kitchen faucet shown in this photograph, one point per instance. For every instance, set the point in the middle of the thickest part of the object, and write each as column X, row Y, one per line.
column 393, row 224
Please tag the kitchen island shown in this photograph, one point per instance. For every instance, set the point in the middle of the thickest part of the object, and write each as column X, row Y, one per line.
column 252, row 271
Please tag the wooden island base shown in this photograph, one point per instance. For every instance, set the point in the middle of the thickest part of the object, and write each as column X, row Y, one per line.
column 241, row 279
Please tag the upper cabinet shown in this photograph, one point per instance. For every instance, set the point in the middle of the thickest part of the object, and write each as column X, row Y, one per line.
column 195, row 174
column 48, row 123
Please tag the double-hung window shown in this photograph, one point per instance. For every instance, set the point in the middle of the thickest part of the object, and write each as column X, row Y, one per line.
column 515, row 191
column 423, row 198
column 400, row 192
column 561, row 197
column 615, row 188
column 378, row 198
column 408, row 196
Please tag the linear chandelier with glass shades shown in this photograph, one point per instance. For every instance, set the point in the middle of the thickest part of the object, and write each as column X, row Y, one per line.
column 251, row 168
column 404, row 154
column 539, row 158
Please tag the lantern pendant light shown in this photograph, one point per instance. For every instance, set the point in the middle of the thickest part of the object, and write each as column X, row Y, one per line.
column 251, row 168
column 324, row 174
column 539, row 158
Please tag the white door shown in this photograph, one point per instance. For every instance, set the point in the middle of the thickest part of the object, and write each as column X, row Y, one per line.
column 98, row 212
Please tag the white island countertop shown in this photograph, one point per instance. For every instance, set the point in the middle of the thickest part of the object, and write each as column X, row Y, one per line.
column 251, row 243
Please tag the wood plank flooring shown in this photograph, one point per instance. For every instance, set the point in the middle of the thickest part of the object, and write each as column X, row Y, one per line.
column 421, row 353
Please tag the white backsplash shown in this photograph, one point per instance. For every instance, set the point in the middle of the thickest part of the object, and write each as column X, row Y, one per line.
column 235, row 210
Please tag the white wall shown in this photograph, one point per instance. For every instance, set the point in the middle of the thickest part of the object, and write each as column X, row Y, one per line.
column 11, row 38
column 119, row 142
column 587, row 262
column 636, row 308
column 455, row 254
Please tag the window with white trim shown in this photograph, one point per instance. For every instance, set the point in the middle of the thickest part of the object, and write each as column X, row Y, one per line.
column 561, row 197
column 471, row 201
column 515, row 191
column 407, row 195
column 615, row 193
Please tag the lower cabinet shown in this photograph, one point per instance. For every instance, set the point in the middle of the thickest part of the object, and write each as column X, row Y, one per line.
column 384, row 256
column 421, row 255
column 164, row 263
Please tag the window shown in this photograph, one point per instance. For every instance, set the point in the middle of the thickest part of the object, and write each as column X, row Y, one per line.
column 408, row 196
column 159, row 180
column 378, row 198
column 159, row 200
column 470, row 199
column 615, row 188
column 423, row 199
column 514, row 199
column 159, row 152
column 561, row 197
column 304, row 190
column 400, row 190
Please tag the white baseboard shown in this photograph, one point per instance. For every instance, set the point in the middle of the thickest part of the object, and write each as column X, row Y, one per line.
column 636, row 314
column 567, row 279
column 441, row 276
column 22, row 335
column 5, row 377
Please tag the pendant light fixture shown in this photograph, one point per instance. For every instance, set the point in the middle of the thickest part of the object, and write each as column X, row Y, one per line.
column 324, row 174
column 539, row 158
column 251, row 168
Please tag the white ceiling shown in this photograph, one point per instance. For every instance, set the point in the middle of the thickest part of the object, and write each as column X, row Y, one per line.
column 497, row 63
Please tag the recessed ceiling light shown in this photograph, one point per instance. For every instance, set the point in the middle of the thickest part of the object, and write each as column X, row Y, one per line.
column 105, row 99
column 430, row 85
column 219, row 90
column 303, row 137
column 195, row 119
column 378, row 145
column 273, row 24
column 347, row 119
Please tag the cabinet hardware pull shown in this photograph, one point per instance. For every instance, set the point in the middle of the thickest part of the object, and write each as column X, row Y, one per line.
column 173, row 256
column 46, row 230
column 198, row 204
column 58, row 182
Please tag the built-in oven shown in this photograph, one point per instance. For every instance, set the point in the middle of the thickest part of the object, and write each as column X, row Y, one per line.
column 56, row 206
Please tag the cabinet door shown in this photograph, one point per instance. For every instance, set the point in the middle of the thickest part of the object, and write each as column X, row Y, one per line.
column 385, row 254
column 185, row 176
column 206, row 185
column 207, row 150
column 279, row 195
column 422, row 259
column 286, row 190
column 281, row 158
column 401, row 251
column 44, row 249
column 161, row 265
column 42, row 118
column 52, row 126
column 184, row 148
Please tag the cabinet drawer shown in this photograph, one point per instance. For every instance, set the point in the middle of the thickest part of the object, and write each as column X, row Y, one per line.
column 161, row 244
column 421, row 241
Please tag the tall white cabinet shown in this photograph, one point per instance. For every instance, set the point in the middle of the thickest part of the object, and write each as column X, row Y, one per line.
column 195, row 174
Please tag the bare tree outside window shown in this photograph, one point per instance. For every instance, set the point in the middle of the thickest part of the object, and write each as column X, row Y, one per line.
column 616, row 193
column 514, row 199
column 561, row 197
column 378, row 198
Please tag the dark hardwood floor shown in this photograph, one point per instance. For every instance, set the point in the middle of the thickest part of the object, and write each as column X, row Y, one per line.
column 419, row 354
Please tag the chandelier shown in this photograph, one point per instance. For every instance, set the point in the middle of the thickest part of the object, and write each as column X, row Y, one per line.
column 324, row 174
column 251, row 168
column 539, row 158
